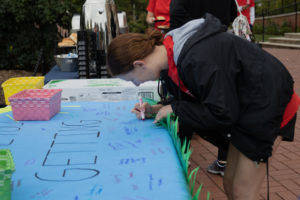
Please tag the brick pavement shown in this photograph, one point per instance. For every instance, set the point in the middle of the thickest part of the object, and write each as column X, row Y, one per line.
column 284, row 169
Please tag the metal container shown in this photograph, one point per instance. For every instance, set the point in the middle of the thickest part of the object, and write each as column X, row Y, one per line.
column 66, row 63
column 101, row 17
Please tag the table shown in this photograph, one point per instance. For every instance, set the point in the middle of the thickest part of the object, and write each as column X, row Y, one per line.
column 55, row 73
column 93, row 150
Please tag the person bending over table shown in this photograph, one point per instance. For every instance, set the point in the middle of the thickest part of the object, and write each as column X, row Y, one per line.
column 228, row 90
column 182, row 11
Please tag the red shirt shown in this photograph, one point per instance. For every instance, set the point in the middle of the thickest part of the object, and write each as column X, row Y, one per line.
column 160, row 8
column 246, row 12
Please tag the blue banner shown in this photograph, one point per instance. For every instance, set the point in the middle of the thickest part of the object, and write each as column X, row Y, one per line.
column 92, row 150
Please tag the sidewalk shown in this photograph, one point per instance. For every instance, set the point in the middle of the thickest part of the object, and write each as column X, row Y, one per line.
column 284, row 171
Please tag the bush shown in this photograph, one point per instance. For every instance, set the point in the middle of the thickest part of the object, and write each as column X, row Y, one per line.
column 257, row 29
column 272, row 28
column 285, row 28
column 136, row 17
column 29, row 25
column 139, row 25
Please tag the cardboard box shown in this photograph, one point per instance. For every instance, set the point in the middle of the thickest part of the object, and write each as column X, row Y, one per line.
column 112, row 89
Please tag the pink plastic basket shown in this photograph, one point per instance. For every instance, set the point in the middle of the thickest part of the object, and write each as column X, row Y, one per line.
column 35, row 104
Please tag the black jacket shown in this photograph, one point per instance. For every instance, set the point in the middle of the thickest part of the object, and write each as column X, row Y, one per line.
column 240, row 90
column 182, row 11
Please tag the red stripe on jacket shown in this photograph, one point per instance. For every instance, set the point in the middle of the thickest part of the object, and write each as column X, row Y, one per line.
column 290, row 110
column 172, row 71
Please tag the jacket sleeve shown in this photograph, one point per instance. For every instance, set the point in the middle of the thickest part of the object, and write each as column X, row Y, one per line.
column 217, row 105
column 178, row 13
column 252, row 15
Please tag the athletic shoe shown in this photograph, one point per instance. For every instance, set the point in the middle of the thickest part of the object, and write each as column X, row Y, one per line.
column 216, row 168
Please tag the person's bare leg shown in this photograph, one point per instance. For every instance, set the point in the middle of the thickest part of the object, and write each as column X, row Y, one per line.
column 232, row 157
column 243, row 177
column 275, row 147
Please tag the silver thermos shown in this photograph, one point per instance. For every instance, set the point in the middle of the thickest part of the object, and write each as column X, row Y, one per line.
column 101, row 17
column 99, row 25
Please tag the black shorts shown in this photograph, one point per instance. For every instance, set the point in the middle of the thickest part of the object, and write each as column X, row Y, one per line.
column 255, row 150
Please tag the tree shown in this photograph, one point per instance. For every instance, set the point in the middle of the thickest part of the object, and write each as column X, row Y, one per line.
column 29, row 25
column 136, row 13
column 273, row 7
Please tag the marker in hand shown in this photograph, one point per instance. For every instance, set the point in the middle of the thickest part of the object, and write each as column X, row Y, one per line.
column 141, row 104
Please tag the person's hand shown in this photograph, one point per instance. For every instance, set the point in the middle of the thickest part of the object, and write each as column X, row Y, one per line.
column 146, row 108
column 163, row 112
column 150, row 20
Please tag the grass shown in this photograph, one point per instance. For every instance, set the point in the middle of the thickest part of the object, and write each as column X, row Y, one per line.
column 259, row 37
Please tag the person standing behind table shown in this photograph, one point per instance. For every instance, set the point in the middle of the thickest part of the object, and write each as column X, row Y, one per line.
column 182, row 11
column 247, row 7
column 223, row 90
column 157, row 9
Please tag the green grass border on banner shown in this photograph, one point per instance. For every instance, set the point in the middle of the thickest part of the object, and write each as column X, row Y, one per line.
column 171, row 124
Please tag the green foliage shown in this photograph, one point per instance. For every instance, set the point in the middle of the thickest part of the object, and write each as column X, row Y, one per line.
column 29, row 25
column 259, row 37
column 77, row 5
column 257, row 28
column 285, row 28
column 139, row 25
column 275, row 6
column 272, row 28
column 136, row 13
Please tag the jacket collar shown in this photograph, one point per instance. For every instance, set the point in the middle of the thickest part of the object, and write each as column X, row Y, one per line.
column 182, row 34
column 207, row 27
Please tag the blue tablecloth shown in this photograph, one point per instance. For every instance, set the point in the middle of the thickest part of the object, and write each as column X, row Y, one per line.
column 93, row 150
column 55, row 73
